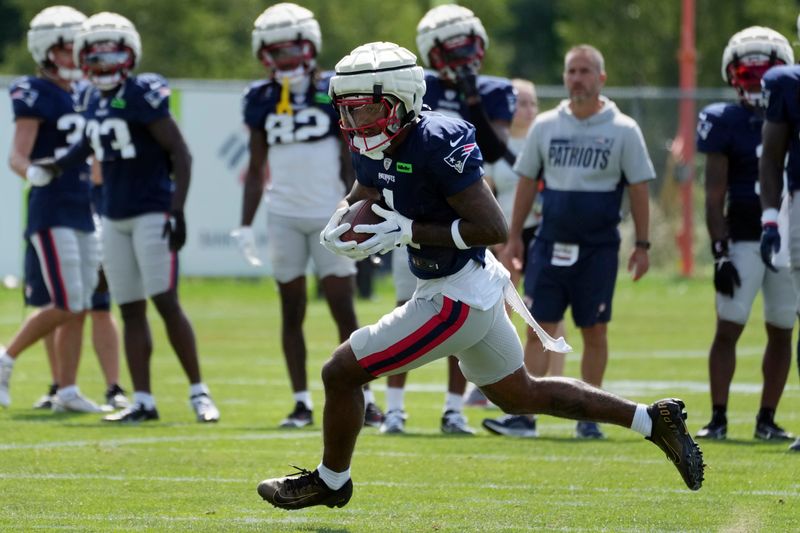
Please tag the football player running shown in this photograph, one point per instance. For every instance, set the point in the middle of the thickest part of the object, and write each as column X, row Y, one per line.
column 62, row 256
column 445, row 214
column 293, row 128
column 452, row 40
column 730, row 136
column 780, row 142
column 131, row 132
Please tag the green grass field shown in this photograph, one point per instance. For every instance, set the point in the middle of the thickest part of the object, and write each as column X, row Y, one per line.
column 62, row 471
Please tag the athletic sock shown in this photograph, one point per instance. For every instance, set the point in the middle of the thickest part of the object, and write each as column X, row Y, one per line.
column 642, row 422
column 145, row 399
column 334, row 480
column 765, row 414
column 369, row 396
column 65, row 393
column 719, row 414
column 395, row 399
column 197, row 388
column 5, row 359
column 453, row 402
column 305, row 397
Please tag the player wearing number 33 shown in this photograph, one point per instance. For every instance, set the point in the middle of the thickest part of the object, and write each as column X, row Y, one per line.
column 729, row 134
column 129, row 129
column 427, row 168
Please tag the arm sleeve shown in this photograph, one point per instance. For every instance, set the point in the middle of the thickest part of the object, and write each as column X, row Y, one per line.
column 529, row 161
column 636, row 164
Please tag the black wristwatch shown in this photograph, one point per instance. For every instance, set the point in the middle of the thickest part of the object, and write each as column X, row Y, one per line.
column 645, row 245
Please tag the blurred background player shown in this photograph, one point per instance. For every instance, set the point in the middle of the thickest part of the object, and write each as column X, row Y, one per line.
column 588, row 153
column 503, row 179
column 780, row 142
column 452, row 40
column 730, row 136
column 131, row 132
column 62, row 272
column 293, row 127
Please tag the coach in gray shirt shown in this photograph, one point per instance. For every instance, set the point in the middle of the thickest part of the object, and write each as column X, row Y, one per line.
column 586, row 151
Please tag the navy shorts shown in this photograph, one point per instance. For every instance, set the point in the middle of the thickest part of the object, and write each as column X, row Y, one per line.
column 587, row 286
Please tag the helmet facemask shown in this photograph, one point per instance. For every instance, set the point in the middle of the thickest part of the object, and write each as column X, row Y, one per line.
column 456, row 54
column 370, row 122
column 745, row 74
column 107, row 63
column 59, row 62
column 292, row 60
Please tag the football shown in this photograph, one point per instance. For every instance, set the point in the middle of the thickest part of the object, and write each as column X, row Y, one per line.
column 359, row 213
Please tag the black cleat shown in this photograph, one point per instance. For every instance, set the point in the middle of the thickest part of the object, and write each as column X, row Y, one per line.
column 300, row 417
column 373, row 416
column 131, row 415
column 769, row 430
column 303, row 489
column 714, row 430
column 795, row 447
column 588, row 430
column 670, row 434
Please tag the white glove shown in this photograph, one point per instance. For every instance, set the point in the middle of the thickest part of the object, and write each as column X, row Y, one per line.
column 246, row 240
column 38, row 176
column 329, row 237
column 392, row 233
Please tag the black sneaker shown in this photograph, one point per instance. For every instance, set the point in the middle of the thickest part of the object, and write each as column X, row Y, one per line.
column 670, row 434
column 512, row 426
column 132, row 415
column 373, row 416
column 115, row 398
column 769, row 430
column 303, row 489
column 46, row 401
column 300, row 417
column 714, row 430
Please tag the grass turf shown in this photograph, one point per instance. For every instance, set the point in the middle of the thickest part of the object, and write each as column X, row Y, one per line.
column 69, row 471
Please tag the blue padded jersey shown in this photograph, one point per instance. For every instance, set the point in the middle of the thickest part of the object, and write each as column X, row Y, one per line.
column 64, row 201
column 497, row 97
column 734, row 130
column 136, row 168
column 438, row 159
column 781, row 86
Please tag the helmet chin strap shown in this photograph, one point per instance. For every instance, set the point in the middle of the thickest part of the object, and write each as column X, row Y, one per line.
column 379, row 141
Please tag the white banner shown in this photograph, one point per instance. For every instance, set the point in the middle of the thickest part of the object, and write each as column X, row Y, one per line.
column 11, row 199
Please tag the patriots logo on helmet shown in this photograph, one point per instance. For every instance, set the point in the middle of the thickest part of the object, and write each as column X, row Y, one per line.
column 458, row 157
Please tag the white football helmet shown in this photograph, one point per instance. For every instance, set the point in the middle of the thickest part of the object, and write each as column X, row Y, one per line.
column 450, row 37
column 107, row 48
column 54, row 26
column 287, row 39
column 377, row 89
column 749, row 54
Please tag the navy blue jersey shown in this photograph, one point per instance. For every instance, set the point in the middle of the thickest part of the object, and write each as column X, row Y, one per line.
column 136, row 168
column 313, row 117
column 782, row 90
column 438, row 158
column 734, row 130
column 497, row 97
column 65, row 201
